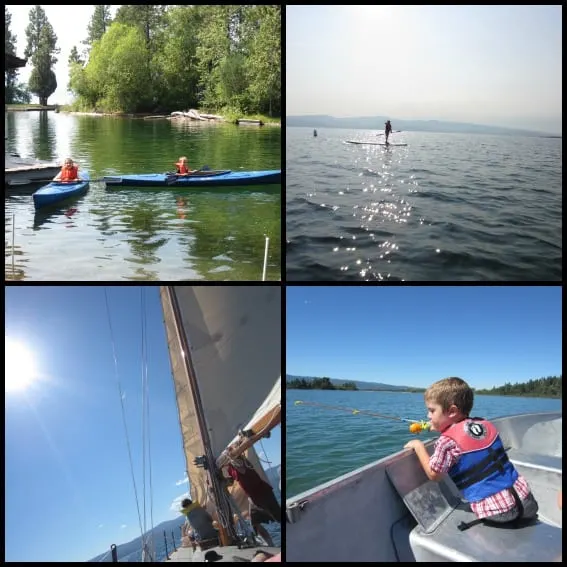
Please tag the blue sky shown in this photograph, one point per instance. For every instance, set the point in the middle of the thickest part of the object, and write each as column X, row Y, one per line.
column 414, row 336
column 69, row 492
column 495, row 65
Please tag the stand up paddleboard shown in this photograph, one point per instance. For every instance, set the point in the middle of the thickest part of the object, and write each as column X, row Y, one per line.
column 372, row 143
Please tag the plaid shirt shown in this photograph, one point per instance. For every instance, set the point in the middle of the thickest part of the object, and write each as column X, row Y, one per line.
column 447, row 453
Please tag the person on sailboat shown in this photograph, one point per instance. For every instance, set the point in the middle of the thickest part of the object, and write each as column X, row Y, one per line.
column 471, row 452
column 188, row 536
column 258, row 490
column 257, row 517
column 200, row 522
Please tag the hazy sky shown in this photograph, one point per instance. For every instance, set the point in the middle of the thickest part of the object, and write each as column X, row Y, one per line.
column 414, row 336
column 68, row 35
column 69, row 492
column 496, row 65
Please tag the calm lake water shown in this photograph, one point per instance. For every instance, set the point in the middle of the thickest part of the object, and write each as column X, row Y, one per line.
column 322, row 444
column 144, row 234
column 448, row 207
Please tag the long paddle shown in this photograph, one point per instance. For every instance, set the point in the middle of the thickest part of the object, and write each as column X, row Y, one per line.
column 19, row 182
column 172, row 178
column 394, row 132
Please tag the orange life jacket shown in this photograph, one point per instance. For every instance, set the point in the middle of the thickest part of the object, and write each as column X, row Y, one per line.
column 69, row 173
column 181, row 167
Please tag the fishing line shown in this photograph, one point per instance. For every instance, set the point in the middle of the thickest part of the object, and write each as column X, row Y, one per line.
column 416, row 426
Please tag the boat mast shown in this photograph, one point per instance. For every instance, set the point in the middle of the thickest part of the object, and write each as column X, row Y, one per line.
column 221, row 499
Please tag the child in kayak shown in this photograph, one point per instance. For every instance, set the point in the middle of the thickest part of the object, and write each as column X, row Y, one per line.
column 181, row 166
column 471, row 452
column 69, row 172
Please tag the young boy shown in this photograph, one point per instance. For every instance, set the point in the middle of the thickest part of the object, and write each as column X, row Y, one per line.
column 181, row 166
column 69, row 171
column 471, row 452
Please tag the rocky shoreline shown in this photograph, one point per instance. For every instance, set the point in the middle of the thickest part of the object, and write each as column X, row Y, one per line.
column 192, row 115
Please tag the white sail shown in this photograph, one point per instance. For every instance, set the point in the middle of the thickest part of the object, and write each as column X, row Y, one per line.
column 259, row 422
column 270, row 406
column 234, row 338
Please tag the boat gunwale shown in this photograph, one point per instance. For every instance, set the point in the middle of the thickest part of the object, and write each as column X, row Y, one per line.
column 332, row 485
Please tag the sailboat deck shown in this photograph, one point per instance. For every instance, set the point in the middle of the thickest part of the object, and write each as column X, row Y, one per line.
column 229, row 553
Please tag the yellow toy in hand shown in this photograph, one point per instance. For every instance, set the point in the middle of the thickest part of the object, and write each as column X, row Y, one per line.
column 419, row 426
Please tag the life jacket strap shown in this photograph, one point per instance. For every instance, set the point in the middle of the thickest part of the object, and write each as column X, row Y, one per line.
column 481, row 470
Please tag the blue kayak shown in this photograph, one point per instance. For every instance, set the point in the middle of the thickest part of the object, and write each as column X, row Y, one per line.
column 59, row 191
column 225, row 178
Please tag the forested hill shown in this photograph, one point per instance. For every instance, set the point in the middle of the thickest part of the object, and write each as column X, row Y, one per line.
column 549, row 387
column 311, row 382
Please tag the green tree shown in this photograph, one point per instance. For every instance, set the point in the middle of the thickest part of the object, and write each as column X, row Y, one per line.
column 232, row 82
column 10, row 75
column 43, row 82
column 41, row 48
column 117, row 70
column 99, row 24
column 214, row 46
column 322, row 383
column 549, row 387
column 176, row 75
column 80, row 85
column 74, row 57
column 264, row 70
column 218, row 58
column 151, row 21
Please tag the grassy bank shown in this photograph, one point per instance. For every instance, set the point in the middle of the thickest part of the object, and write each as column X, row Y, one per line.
column 231, row 116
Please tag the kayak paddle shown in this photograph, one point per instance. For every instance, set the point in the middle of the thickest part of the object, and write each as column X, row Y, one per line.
column 171, row 179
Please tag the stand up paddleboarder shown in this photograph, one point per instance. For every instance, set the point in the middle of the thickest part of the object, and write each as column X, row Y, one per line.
column 388, row 130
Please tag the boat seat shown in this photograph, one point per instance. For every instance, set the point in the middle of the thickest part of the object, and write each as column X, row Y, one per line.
column 535, row 542
column 438, row 510
column 544, row 475
column 532, row 460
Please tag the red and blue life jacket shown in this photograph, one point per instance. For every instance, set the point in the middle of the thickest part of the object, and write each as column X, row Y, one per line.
column 483, row 468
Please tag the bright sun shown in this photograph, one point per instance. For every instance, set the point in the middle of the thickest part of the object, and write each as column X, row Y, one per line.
column 20, row 368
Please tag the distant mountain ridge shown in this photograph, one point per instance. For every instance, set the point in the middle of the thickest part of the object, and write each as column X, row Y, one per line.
column 377, row 123
column 133, row 548
column 360, row 385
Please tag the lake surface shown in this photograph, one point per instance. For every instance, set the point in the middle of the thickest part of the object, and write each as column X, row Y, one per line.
column 323, row 444
column 448, row 207
column 144, row 234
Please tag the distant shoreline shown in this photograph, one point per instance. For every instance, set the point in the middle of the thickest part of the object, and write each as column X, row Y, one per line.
column 421, row 392
column 406, row 129
column 437, row 126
